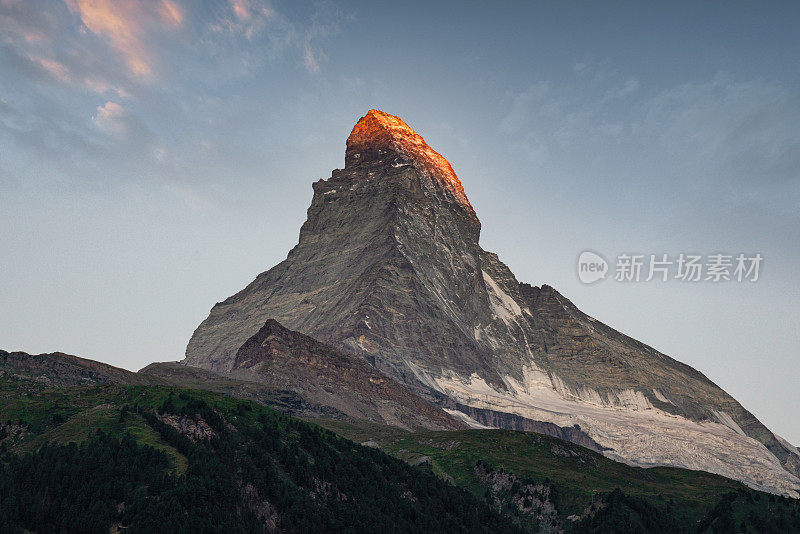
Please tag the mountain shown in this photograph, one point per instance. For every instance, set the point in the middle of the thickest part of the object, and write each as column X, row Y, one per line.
column 101, row 456
column 59, row 369
column 389, row 268
column 325, row 376
column 276, row 367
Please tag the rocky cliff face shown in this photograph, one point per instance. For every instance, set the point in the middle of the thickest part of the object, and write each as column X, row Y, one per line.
column 328, row 377
column 388, row 268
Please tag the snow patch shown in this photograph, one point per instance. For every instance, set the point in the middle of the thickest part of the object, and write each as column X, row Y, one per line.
column 660, row 396
column 472, row 423
column 633, row 400
column 503, row 305
column 728, row 421
column 626, row 422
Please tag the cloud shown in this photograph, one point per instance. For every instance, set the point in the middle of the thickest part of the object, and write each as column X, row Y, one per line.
column 241, row 8
column 56, row 69
column 81, row 105
column 714, row 120
column 244, row 18
column 310, row 61
column 247, row 11
column 729, row 144
column 19, row 21
column 126, row 133
column 258, row 34
column 170, row 13
column 111, row 117
column 42, row 47
column 118, row 46
column 126, row 24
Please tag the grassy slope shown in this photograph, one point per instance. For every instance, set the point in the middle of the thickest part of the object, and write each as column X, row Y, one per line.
column 577, row 472
column 63, row 415
column 314, row 478
column 73, row 414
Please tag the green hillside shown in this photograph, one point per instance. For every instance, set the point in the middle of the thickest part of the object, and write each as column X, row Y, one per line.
column 658, row 499
column 155, row 459
column 100, row 458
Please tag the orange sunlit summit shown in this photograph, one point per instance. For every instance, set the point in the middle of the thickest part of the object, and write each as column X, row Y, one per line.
column 378, row 129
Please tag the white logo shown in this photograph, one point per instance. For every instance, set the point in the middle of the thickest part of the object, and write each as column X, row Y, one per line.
column 591, row 267
column 718, row 267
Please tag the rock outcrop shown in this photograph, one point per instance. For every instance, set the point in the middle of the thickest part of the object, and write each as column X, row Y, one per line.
column 59, row 369
column 388, row 268
column 324, row 376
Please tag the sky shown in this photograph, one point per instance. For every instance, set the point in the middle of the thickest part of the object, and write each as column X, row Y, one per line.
column 156, row 155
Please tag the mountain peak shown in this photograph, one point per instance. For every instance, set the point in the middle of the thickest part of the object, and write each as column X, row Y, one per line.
column 389, row 270
column 378, row 130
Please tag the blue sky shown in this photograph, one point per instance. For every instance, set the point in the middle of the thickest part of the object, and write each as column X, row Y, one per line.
column 155, row 155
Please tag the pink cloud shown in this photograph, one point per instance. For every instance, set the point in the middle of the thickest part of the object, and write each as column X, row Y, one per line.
column 170, row 13
column 241, row 8
column 126, row 23
column 54, row 68
column 248, row 19
column 33, row 36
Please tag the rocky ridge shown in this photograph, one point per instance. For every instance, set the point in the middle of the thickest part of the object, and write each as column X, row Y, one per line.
column 59, row 369
column 324, row 376
column 388, row 268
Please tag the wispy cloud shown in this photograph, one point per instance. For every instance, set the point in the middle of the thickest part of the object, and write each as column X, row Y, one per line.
column 325, row 22
column 111, row 117
column 42, row 38
column 112, row 46
column 100, row 91
column 730, row 142
column 170, row 13
column 248, row 18
column 56, row 69
column 126, row 24
column 256, row 20
column 714, row 119
column 310, row 61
